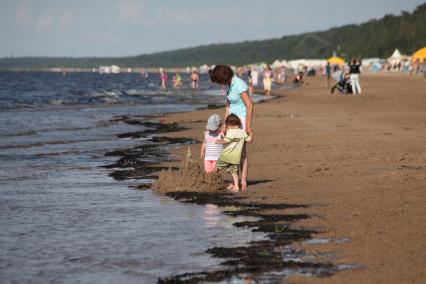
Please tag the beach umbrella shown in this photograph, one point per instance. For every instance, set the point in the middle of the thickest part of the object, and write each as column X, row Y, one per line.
column 419, row 55
column 336, row 60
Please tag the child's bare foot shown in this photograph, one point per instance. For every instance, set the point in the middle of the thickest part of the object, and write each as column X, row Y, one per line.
column 230, row 187
column 235, row 189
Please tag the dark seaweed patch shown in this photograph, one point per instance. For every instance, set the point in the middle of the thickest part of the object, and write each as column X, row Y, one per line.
column 153, row 127
column 259, row 259
column 150, row 172
column 172, row 140
column 142, row 151
column 141, row 162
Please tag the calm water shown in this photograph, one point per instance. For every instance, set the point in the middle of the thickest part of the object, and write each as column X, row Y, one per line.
column 62, row 218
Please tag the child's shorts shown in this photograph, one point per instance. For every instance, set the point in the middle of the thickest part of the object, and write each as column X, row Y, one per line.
column 230, row 168
column 209, row 165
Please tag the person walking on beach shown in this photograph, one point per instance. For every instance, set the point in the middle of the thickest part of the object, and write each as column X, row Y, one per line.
column 163, row 79
column 328, row 73
column 239, row 103
column 254, row 78
column 267, row 80
column 210, row 150
column 250, row 82
column 194, row 80
column 230, row 157
column 354, row 71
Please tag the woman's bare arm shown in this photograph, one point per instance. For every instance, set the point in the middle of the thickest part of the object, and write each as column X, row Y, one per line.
column 249, row 110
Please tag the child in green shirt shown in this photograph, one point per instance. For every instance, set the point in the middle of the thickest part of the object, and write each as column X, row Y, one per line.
column 230, row 157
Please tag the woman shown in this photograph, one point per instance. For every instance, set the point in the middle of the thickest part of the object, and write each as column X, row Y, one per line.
column 239, row 103
column 354, row 71
column 163, row 79
column 267, row 80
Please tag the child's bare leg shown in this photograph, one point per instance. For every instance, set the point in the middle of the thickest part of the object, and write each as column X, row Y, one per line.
column 244, row 169
column 235, row 179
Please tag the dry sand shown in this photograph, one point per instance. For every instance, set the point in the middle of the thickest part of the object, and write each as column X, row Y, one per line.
column 359, row 161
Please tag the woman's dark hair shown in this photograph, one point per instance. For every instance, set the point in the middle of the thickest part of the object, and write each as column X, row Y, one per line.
column 221, row 74
column 232, row 120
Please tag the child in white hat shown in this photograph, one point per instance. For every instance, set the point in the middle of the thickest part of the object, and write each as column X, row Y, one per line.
column 210, row 150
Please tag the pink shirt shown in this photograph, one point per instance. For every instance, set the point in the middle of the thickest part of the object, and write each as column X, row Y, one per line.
column 213, row 150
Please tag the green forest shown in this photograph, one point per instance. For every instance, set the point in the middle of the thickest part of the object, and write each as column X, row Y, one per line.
column 375, row 38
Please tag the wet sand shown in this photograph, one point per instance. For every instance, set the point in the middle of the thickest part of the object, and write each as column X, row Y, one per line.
column 358, row 161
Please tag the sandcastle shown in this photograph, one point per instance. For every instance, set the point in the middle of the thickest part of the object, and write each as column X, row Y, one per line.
column 190, row 177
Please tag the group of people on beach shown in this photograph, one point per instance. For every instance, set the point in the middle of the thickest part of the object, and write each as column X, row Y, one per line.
column 253, row 80
column 224, row 145
column 177, row 80
column 347, row 81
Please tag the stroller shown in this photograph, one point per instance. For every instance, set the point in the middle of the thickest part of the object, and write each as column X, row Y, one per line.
column 343, row 84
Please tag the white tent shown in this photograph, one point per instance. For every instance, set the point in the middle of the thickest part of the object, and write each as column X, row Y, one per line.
column 277, row 64
column 395, row 58
column 369, row 61
column 315, row 63
column 203, row 68
column 295, row 63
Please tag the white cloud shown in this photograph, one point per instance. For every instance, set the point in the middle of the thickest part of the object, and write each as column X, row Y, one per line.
column 131, row 11
column 54, row 21
column 23, row 12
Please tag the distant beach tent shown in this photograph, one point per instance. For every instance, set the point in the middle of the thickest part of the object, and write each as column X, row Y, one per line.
column 419, row 55
column 395, row 58
column 336, row 60
column 277, row 64
column 294, row 64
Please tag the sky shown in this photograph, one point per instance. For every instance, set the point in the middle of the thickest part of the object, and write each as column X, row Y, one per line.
column 78, row 28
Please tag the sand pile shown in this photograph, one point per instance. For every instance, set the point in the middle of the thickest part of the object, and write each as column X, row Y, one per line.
column 190, row 177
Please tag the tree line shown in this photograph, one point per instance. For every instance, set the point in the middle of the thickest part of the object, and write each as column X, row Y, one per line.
column 375, row 38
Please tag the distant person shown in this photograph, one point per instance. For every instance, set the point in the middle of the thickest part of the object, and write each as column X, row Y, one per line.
column 300, row 72
column 230, row 157
column 250, row 82
column 267, row 80
column 163, row 79
column 194, row 80
column 297, row 80
column 210, row 150
column 424, row 69
column 283, row 73
column 254, row 77
column 418, row 67
column 343, row 85
column 177, row 81
column 238, row 102
column 328, row 73
column 355, row 71
column 144, row 74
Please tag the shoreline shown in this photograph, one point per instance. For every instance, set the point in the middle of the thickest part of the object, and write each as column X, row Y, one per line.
column 320, row 138
column 255, row 260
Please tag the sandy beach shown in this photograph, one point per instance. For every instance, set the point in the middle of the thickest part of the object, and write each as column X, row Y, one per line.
column 359, row 162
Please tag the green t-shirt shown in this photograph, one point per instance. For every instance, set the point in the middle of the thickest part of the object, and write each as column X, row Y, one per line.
column 232, row 152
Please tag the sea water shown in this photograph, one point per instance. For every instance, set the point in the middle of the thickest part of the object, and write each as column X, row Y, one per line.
column 62, row 218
